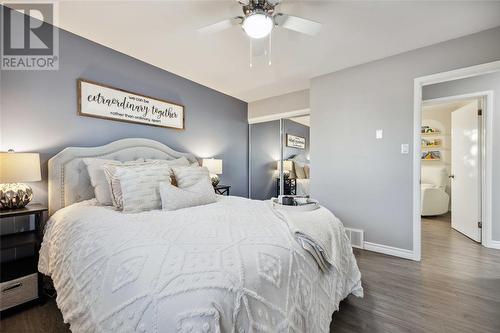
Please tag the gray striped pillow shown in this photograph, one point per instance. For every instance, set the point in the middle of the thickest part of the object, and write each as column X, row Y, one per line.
column 188, row 176
column 140, row 186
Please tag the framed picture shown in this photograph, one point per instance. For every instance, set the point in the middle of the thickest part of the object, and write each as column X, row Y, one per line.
column 105, row 102
column 295, row 141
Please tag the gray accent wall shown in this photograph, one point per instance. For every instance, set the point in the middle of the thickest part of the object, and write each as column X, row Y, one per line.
column 264, row 152
column 39, row 111
column 366, row 182
column 472, row 85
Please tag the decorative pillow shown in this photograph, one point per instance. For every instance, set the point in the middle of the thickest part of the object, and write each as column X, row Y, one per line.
column 140, row 186
column 98, row 179
column 200, row 193
column 114, row 182
column 306, row 171
column 187, row 176
column 299, row 171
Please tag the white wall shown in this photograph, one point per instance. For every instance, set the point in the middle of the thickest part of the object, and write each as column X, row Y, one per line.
column 366, row 182
column 298, row 100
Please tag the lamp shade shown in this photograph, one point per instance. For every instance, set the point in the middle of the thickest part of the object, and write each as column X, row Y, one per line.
column 213, row 165
column 287, row 165
column 19, row 167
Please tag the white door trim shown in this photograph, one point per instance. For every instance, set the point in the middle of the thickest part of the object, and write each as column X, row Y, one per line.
column 419, row 83
column 278, row 116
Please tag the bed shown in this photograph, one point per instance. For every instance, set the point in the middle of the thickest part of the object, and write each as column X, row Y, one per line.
column 231, row 266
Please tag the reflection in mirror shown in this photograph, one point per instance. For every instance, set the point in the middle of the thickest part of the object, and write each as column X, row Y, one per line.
column 279, row 148
column 296, row 164
column 264, row 158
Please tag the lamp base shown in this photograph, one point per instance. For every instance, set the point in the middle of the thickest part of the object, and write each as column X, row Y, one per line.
column 215, row 180
column 15, row 195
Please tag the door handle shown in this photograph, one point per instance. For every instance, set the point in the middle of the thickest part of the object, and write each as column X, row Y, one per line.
column 451, row 176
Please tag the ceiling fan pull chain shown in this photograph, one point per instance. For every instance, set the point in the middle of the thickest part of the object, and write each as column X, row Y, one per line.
column 251, row 53
column 269, row 53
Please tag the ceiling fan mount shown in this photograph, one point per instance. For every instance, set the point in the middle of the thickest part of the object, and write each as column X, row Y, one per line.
column 262, row 6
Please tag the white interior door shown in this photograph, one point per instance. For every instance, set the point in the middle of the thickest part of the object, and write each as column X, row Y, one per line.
column 465, row 169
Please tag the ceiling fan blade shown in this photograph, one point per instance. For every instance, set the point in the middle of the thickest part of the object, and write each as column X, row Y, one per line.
column 220, row 26
column 298, row 24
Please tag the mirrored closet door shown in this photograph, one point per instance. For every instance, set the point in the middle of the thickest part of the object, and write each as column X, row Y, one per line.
column 264, row 159
column 296, row 164
column 279, row 158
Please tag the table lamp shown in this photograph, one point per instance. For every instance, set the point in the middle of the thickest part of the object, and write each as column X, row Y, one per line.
column 214, row 166
column 14, row 169
column 287, row 167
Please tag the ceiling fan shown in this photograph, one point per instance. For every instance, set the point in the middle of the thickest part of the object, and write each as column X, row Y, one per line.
column 260, row 17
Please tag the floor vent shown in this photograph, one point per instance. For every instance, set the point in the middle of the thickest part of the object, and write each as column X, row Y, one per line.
column 356, row 236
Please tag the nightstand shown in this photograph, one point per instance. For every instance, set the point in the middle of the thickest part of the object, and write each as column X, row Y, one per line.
column 290, row 186
column 222, row 189
column 21, row 237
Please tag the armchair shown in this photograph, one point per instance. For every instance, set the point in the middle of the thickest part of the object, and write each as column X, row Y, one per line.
column 434, row 199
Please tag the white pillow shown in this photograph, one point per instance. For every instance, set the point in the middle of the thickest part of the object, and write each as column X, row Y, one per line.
column 187, row 176
column 114, row 182
column 140, row 186
column 299, row 170
column 98, row 179
column 200, row 193
column 307, row 171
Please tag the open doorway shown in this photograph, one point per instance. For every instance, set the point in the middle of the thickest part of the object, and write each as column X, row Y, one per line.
column 480, row 83
column 451, row 164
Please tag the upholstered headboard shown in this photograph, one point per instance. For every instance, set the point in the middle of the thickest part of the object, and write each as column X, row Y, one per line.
column 69, row 181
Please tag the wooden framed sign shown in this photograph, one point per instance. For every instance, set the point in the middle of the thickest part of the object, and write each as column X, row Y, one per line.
column 101, row 101
column 295, row 141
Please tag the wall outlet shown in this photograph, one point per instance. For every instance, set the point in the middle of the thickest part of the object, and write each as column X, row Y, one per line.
column 379, row 134
column 405, row 148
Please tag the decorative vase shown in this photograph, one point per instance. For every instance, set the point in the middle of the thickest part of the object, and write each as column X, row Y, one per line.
column 15, row 195
column 215, row 180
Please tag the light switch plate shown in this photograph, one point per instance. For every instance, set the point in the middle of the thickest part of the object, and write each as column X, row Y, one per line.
column 405, row 148
column 379, row 134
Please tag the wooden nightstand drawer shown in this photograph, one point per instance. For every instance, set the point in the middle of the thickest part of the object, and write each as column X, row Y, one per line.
column 18, row 291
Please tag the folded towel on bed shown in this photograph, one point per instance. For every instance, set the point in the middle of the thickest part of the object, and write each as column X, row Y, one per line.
column 318, row 232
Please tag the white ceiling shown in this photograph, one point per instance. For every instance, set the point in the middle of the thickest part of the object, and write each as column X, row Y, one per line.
column 163, row 33
column 304, row 120
column 446, row 106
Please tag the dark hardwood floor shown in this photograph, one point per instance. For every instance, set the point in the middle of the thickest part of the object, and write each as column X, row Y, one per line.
column 455, row 288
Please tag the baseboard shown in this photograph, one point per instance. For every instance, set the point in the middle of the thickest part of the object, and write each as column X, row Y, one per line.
column 389, row 250
column 493, row 244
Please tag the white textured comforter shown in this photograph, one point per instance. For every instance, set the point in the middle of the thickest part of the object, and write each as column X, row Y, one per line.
column 232, row 266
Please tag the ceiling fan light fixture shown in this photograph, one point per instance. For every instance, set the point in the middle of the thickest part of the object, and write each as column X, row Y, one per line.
column 258, row 25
